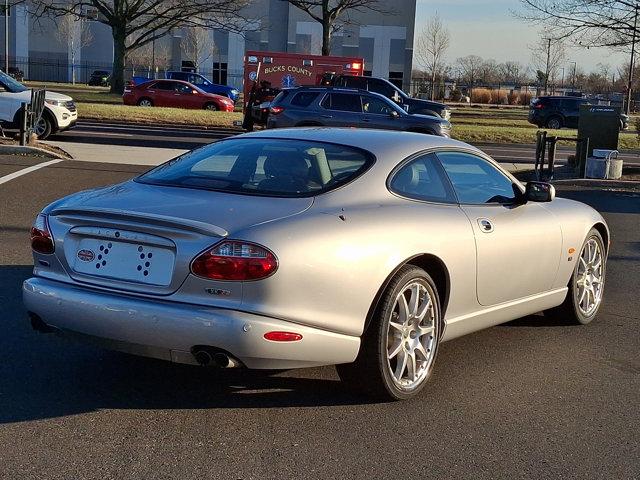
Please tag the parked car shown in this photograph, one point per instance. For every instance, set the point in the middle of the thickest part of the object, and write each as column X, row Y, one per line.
column 342, row 107
column 100, row 78
column 389, row 90
column 174, row 93
column 59, row 112
column 205, row 84
column 557, row 112
column 314, row 246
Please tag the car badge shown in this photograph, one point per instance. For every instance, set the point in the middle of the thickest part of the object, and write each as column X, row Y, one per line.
column 86, row 255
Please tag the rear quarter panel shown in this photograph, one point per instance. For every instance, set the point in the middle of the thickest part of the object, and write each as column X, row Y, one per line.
column 331, row 269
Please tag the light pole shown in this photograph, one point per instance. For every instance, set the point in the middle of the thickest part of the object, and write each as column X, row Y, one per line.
column 153, row 57
column 573, row 77
column 6, row 36
column 546, row 72
column 562, row 82
column 627, row 107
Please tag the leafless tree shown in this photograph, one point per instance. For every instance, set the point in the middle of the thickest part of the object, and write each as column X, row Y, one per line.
column 470, row 69
column 327, row 13
column 513, row 72
column 547, row 54
column 198, row 45
column 73, row 31
column 135, row 23
column 430, row 47
column 590, row 23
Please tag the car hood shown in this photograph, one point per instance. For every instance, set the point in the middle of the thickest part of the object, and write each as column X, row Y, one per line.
column 26, row 95
column 224, row 211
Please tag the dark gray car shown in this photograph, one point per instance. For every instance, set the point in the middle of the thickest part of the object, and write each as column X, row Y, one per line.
column 340, row 107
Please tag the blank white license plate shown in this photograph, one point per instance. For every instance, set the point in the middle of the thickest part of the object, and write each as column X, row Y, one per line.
column 124, row 261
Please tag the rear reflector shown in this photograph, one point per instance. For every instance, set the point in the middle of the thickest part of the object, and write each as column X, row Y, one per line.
column 283, row 336
column 41, row 238
column 235, row 260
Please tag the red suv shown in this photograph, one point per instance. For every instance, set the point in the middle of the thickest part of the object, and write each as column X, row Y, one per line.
column 174, row 93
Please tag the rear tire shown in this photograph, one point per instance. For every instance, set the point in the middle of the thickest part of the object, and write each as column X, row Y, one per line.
column 145, row 102
column 399, row 348
column 554, row 123
column 586, row 287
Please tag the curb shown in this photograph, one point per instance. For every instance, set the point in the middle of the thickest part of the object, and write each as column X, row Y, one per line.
column 183, row 126
column 32, row 151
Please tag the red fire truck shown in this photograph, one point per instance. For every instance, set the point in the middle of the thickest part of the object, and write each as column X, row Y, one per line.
column 266, row 73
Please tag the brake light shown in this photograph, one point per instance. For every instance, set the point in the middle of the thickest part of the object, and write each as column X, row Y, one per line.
column 538, row 106
column 283, row 336
column 276, row 110
column 41, row 238
column 235, row 260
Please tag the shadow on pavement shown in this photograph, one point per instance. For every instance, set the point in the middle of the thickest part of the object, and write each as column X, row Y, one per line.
column 603, row 200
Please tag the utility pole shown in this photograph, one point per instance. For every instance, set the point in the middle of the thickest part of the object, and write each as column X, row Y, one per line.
column 546, row 72
column 153, row 57
column 627, row 107
column 562, row 84
column 6, row 36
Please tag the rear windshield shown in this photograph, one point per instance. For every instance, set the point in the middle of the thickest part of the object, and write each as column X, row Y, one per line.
column 263, row 166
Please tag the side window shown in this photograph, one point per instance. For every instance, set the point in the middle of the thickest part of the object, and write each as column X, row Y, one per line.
column 423, row 179
column 475, row 180
column 354, row 82
column 382, row 88
column 375, row 106
column 182, row 88
column 165, row 86
column 304, row 99
column 344, row 102
column 196, row 79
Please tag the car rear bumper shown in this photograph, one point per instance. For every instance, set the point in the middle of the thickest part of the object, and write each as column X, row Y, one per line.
column 170, row 330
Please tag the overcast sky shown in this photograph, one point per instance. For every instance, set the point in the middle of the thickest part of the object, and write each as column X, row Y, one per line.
column 488, row 29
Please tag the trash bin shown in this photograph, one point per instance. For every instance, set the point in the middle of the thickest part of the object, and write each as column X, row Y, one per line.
column 604, row 164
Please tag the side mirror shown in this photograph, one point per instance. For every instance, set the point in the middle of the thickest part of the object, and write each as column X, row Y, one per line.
column 394, row 114
column 539, row 192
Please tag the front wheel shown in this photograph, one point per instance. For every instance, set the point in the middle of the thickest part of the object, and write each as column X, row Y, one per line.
column 211, row 107
column 586, row 287
column 399, row 349
column 43, row 127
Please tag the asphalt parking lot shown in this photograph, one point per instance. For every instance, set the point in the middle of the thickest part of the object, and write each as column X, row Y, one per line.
column 529, row 399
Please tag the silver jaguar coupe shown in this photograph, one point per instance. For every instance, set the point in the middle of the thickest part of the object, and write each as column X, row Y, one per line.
column 314, row 246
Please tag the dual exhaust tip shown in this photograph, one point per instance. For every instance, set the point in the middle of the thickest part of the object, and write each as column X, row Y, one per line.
column 209, row 357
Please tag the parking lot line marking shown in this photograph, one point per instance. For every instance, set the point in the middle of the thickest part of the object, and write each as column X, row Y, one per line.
column 24, row 171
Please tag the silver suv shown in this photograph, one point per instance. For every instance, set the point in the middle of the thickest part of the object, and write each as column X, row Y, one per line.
column 342, row 107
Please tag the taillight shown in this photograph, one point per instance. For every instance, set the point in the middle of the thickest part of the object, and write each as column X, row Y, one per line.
column 276, row 110
column 538, row 106
column 41, row 238
column 283, row 336
column 235, row 260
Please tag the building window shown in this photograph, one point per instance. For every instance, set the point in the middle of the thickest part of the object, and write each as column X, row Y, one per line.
column 2, row 11
column 396, row 78
column 219, row 73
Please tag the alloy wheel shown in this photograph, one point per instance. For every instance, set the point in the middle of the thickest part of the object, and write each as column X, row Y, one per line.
column 411, row 336
column 590, row 277
column 40, row 127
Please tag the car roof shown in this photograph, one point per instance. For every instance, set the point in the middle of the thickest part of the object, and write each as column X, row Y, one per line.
column 391, row 144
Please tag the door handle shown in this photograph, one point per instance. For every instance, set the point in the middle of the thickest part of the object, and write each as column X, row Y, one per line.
column 485, row 225
column 366, row 119
column 326, row 116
